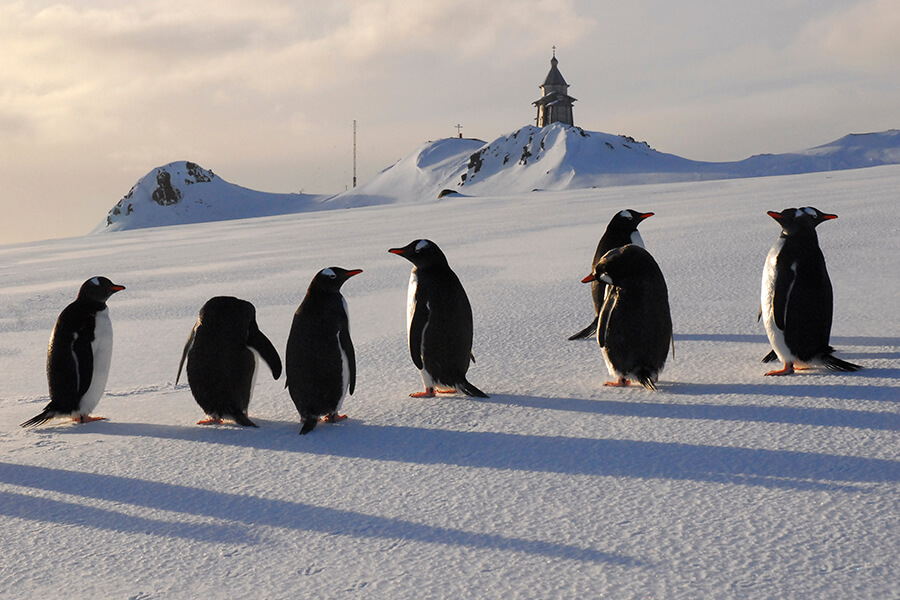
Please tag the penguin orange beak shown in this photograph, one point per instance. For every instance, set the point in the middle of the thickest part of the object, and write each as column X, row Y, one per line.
column 589, row 278
column 774, row 215
column 117, row 288
column 828, row 217
column 396, row 250
column 647, row 215
column 354, row 272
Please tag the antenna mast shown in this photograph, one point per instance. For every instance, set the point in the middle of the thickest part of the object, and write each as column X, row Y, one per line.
column 354, row 152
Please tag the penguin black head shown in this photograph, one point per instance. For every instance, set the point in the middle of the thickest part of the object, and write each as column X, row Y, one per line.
column 98, row 290
column 621, row 267
column 628, row 220
column 797, row 220
column 421, row 253
column 331, row 279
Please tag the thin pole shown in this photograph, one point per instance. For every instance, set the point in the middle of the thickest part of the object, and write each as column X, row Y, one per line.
column 354, row 152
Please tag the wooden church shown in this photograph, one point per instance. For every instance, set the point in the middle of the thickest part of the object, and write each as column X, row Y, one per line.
column 555, row 105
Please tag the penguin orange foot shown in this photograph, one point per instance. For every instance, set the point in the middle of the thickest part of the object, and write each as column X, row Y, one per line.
column 787, row 370
column 621, row 382
column 210, row 421
column 428, row 393
column 87, row 419
column 333, row 418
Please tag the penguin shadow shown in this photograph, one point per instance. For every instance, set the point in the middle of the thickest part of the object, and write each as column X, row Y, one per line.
column 242, row 515
column 837, row 342
column 561, row 455
column 788, row 415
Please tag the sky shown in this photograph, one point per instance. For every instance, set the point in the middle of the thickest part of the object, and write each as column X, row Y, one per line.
column 95, row 94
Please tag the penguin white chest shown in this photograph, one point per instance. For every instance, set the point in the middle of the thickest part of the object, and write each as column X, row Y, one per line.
column 636, row 238
column 411, row 298
column 101, row 348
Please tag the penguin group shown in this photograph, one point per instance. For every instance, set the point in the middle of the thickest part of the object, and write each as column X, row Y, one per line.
column 632, row 324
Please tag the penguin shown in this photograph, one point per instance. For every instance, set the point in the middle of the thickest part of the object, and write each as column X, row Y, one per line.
column 622, row 230
column 634, row 327
column 221, row 355
column 79, row 354
column 320, row 363
column 796, row 302
column 439, row 322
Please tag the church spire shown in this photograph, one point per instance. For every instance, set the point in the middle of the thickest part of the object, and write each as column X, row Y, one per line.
column 555, row 105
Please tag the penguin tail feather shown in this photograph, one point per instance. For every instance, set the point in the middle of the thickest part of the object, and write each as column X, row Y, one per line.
column 832, row 363
column 39, row 419
column 243, row 419
column 647, row 383
column 470, row 390
column 770, row 357
column 309, row 423
column 586, row 332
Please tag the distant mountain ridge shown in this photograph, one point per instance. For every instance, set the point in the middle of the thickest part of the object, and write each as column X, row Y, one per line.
column 555, row 157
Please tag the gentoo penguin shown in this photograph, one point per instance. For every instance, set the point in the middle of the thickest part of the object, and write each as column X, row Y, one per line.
column 221, row 355
column 635, row 325
column 79, row 354
column 622, row 230
column 439, row 320
column 796, row 301
column 320, row 363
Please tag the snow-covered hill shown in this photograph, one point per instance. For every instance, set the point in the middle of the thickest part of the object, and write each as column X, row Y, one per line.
column 184, row 192
column 724, row 484
column 556, row 157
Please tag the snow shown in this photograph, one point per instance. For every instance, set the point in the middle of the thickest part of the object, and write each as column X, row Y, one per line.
column 724, row 484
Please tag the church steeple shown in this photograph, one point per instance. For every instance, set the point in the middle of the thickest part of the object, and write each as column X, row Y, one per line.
column 555, row 105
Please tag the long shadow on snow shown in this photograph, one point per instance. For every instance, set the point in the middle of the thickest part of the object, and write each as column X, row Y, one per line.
column 823, row 417
column 33, row 508
column 564, row 455
column 240, row 513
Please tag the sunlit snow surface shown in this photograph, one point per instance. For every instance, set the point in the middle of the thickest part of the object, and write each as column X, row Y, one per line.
column 724, row 484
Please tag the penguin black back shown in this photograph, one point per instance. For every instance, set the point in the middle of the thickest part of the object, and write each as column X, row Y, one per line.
column 635, row 322
column 320, row 362
column 439, row 320
column 79, row 354
column 621, row 230
column 221, row 366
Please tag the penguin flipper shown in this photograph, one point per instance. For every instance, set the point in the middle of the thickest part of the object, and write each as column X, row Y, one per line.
column 470, row 390
column 784, row 282
column 187, row 348
column 257, row 340
column 70, row 367
column 603, row 318
column 587, row 331
column 770, row 357
column 416, row 329
column 347, row 347
column 40, row 419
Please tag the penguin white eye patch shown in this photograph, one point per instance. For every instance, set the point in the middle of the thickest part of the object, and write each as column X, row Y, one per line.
column 625, row 214
column 328, row 273
column 421, row 245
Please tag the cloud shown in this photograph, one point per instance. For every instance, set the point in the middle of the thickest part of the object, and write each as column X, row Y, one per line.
column 862, row 36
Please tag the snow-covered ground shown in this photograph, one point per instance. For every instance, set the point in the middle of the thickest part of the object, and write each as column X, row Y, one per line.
column 724, row 484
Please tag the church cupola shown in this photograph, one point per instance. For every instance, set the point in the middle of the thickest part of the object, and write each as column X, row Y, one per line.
column 555, row 105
